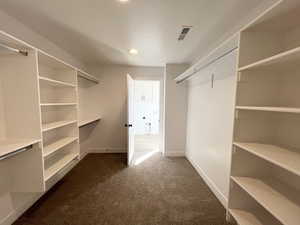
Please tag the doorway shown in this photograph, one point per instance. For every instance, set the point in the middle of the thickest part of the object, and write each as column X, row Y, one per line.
column 146, row 104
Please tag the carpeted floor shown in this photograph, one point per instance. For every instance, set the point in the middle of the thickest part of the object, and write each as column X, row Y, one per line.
column 101, row 190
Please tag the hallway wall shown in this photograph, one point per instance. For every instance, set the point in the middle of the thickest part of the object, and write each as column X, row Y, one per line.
column 110, row 135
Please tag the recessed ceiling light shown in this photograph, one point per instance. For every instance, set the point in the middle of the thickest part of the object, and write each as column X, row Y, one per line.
column 133, row 51
column 123, row 1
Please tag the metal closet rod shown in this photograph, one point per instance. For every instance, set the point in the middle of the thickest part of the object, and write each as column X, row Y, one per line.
column 207, row 64
column 22, row 52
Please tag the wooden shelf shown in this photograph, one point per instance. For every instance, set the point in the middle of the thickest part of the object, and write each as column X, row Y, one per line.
column 52, row 148
column 270, row 109
column 268, row 196
column 88, row 121
column 10, row 146
column 55, row 82
column 244, row 218
column 54, row 125
column 59, row 165
column 59, row 104
column 291, row 55
column 279, row 156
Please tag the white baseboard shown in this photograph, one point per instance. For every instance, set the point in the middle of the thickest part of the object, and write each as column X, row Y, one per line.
column 174, row 154
column 213, row 187
column 83, row 155
column 107, row 150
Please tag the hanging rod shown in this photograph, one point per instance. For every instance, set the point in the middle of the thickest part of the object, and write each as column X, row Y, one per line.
column 11, row 154
column 207, row 64
column 22, row 52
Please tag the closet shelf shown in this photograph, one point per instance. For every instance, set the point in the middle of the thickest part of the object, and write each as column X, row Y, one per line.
column 55, row 82
column 59, row 104
column 87, row 76
column 270, row 109
column 291, row 55
column 10, row 146
column 88, row 121
column 279, row 156
column 59, row 165
column 54, row 125
column 54, row 147
column 244, row 218
column 268, row 196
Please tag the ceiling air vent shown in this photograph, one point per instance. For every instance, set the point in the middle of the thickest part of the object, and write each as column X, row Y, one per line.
column 184, row 32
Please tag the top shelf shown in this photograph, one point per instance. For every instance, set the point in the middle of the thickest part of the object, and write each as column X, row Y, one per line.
column 285, row 57
column 87, row 76
column 88, row 121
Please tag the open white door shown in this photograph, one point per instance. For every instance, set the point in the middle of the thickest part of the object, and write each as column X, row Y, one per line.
column 130, row 116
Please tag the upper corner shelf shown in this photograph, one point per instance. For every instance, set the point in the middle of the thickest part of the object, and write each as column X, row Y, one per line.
column 289, row 56
column 270, row 109
column 88, row 121
column 87, row 76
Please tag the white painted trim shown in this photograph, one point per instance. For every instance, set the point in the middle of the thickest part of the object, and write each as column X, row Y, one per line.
column 213, row 187
column 174, row 154
column 83, row 155
column 107, row 150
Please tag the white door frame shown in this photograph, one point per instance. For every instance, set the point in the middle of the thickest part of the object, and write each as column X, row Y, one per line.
column 161, row 108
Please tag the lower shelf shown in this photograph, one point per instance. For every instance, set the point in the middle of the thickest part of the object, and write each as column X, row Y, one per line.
column 54, row 125
column 270, row 195
column 59, row 165
column 244, row 217
column 51, row 148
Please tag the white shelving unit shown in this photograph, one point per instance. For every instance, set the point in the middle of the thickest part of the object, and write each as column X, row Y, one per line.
column 58, row 101
column 39, row 133
column 21, row 160
column 265, row 170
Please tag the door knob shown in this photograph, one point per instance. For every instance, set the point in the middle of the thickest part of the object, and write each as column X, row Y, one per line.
column 128, row 125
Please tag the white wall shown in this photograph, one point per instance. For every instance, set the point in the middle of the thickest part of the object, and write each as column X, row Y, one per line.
column 110, row 135
column 175, row 111
column 210, row 122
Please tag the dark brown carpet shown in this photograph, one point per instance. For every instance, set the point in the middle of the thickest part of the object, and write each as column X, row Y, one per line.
column 101, row 190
